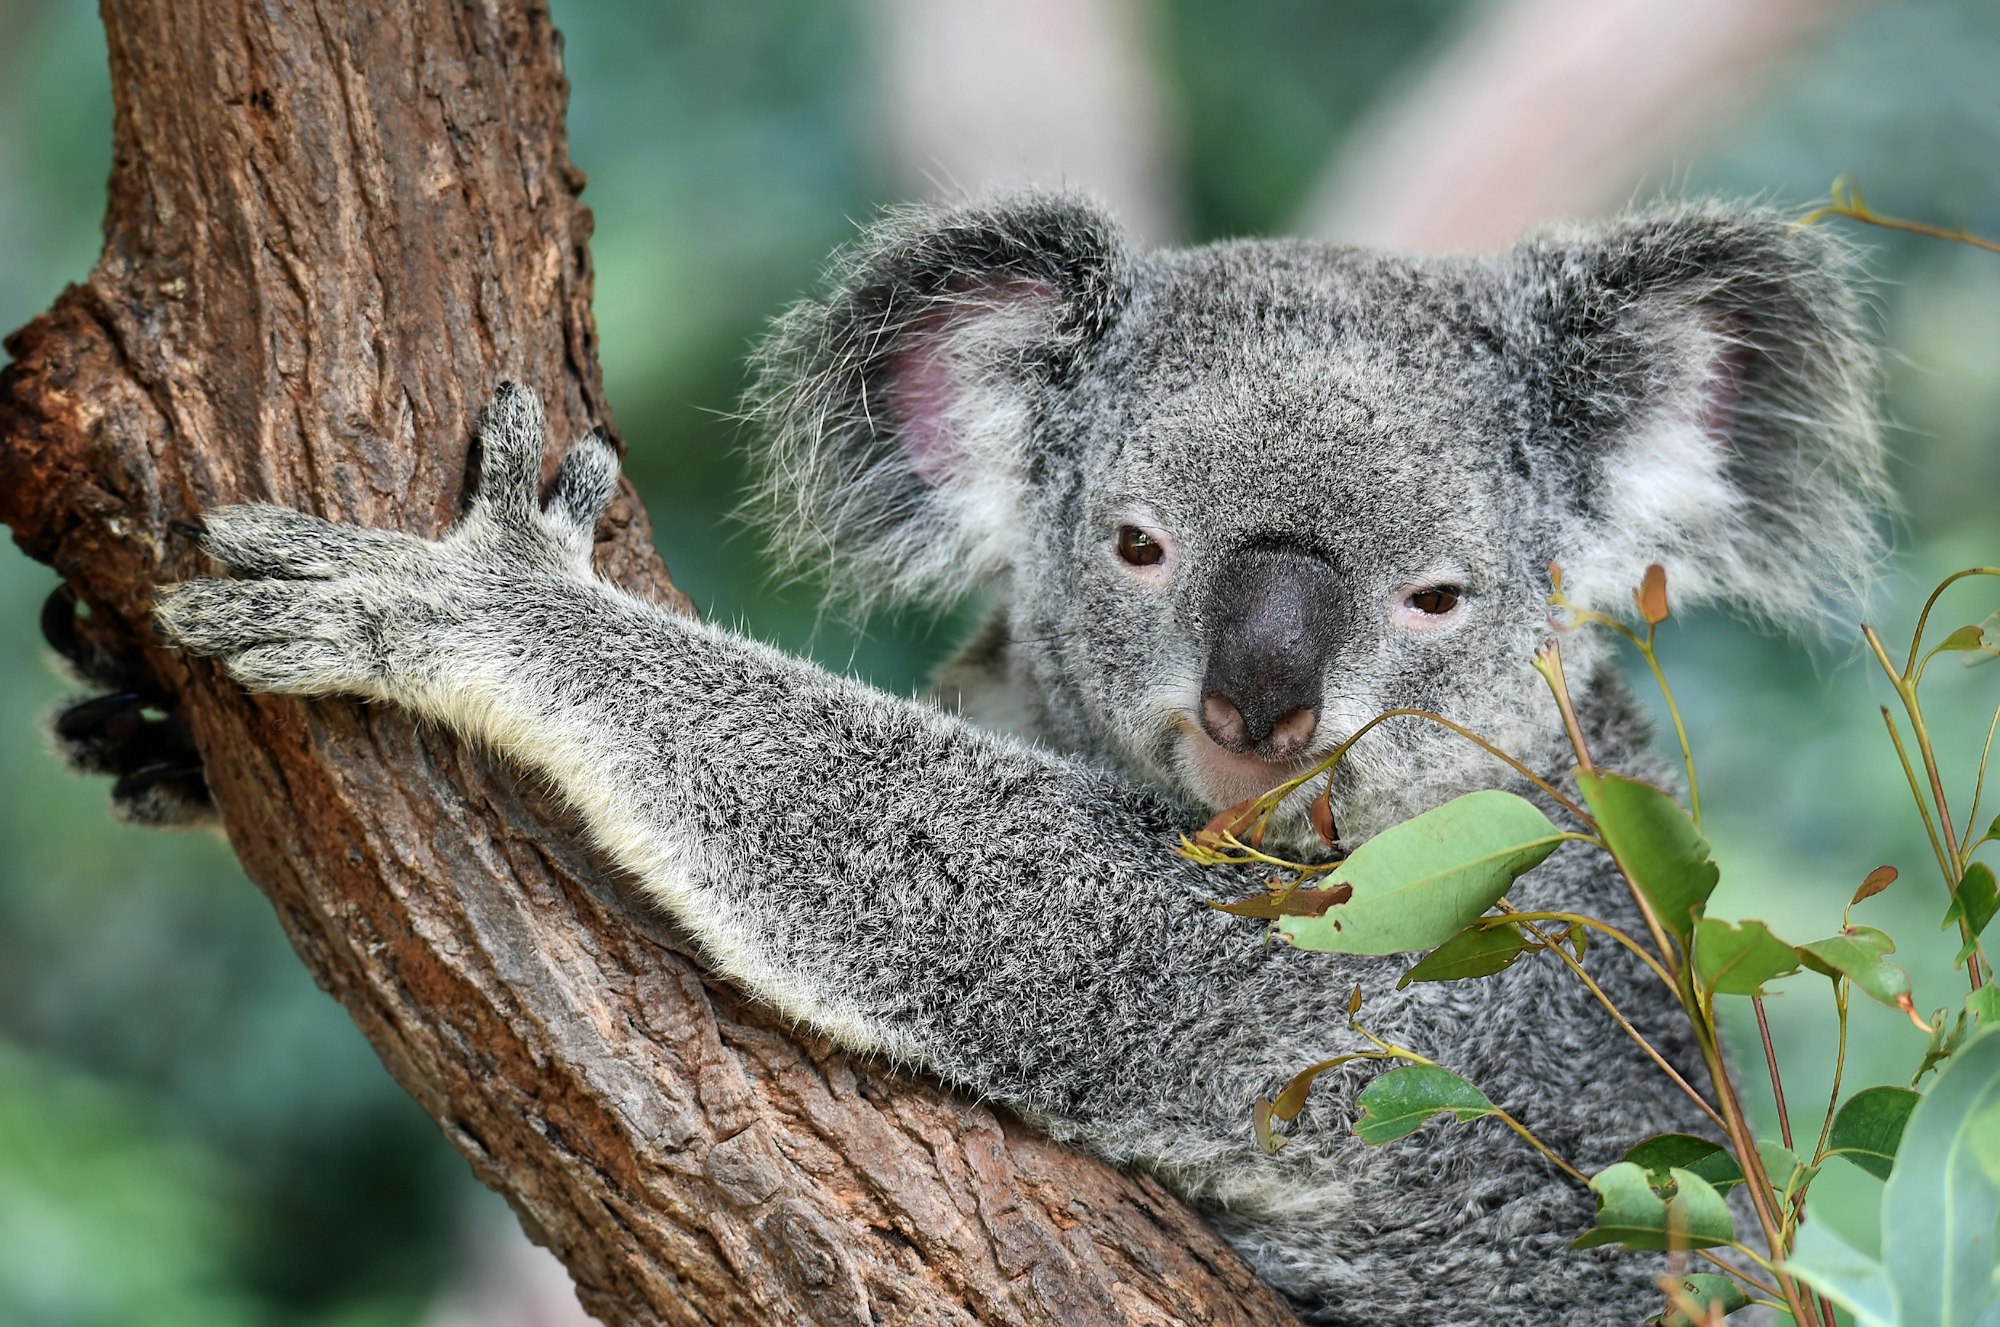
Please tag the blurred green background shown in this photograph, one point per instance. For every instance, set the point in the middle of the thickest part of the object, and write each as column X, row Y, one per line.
column 190, row 1132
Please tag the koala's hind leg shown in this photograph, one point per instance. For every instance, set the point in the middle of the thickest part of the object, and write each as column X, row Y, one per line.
column 129, row 732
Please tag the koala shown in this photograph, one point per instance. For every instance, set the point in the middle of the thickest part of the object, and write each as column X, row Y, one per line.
column 1226, row 504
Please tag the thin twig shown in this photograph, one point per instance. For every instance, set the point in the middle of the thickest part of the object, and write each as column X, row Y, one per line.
column 1771, row 1059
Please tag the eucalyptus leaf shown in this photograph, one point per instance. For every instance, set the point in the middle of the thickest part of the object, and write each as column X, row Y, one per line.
column 1947, row 1035
column 1965, row 638
column 1975, row 900
column 1419, row 883
column 1739, row 959
column 1859, row 955
column 1782, row 1164
column 1666, row 1152
column 1868, row 1127
column 1657, row 844
column 1705, row 1289
column 1398, row 1103
column 1477, row 951
column 1850, row 1278
column 1984, row 1005
column 1941, row 1205
column 1631, row 1213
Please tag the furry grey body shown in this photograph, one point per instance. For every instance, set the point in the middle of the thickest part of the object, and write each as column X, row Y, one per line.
column 989, row 395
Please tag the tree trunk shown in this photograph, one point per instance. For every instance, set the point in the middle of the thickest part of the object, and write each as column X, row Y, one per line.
column 332, row 228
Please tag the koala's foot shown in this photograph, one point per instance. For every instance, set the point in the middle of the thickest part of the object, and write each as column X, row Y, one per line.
column 323, row 609
column 129, row 734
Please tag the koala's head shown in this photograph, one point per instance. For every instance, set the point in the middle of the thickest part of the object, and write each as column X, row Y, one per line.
column 1236, row 500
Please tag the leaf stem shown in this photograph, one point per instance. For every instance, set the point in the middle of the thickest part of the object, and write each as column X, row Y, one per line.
column 1680, row 729
column 1528, row 1137
column 1753, row 1282
column 1905, row 684
column 1979, row 786
column 1777, row 1082
column 1917, row 791
column 1923, row 618
column 1333, row 759
column 1839, row 1066
column 1511, row 913
column 1847, row 202
column 1744, row 1143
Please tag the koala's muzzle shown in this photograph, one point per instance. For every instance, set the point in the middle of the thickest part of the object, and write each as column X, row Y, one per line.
column 1275, row 618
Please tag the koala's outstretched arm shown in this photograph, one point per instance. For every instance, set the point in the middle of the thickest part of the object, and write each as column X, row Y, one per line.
column 1000, row 916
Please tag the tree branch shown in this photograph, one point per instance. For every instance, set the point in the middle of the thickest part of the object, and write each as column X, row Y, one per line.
column 332, row 228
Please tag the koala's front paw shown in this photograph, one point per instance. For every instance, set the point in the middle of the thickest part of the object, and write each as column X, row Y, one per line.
column 323, row 608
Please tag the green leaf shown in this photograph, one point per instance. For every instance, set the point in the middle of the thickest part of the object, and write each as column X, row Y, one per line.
column 1477, row 951
column 1976, row 899
column 1869, row 1126
column 1656, row 843
column 1941, row 1205
column 1704, row 1289
column 1666, row 1152
column 1629, row 1212
column 1419, row 883
column 1738, row 960
column 1397, row 1104
column 1784, row 1167
column 1965, row 638
column 1858, row 954
column 1947, row 1035
column 1984, row 1005
column 1978, row 642
column 1844, row 1274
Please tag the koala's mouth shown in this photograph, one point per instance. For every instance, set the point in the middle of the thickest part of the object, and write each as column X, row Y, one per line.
column 1223, row 777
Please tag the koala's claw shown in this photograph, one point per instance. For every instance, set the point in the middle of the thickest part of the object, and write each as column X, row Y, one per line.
column 322, row 608
column 164, row 794
column 130, row 734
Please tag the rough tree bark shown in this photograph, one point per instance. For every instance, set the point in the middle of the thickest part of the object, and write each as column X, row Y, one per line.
column 332, row 228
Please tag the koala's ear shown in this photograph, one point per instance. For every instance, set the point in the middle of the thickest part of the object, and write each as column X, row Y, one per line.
column 901, row 419
column 1703, row 381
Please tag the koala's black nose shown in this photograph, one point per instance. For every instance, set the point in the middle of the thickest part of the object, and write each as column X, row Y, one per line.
column 1275, row 618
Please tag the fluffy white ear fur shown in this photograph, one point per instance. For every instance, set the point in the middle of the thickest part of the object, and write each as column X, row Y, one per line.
column 1748, row 461
column 959, row 391
column 1665, row 495
column 899, row 417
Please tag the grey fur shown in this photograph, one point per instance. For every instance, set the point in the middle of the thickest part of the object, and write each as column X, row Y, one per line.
column 986, row 395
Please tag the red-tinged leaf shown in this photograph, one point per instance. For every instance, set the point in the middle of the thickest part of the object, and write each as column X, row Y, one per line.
column 1238, row 822
column 1321, row 815
column 1292, row 1098
column 1651, row 596
column 1288, row 903
column 1874, row 883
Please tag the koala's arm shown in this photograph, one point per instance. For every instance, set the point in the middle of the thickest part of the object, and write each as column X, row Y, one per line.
column 1008, row 919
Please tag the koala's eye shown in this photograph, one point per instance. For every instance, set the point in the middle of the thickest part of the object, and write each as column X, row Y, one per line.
column 1435, row 600
column 1137, row 548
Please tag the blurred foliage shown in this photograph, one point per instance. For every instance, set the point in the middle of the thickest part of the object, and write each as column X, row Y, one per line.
column 190, row 1131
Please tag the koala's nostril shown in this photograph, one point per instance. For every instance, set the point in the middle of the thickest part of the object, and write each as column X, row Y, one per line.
column 1291, row 734
column 1223, row 722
